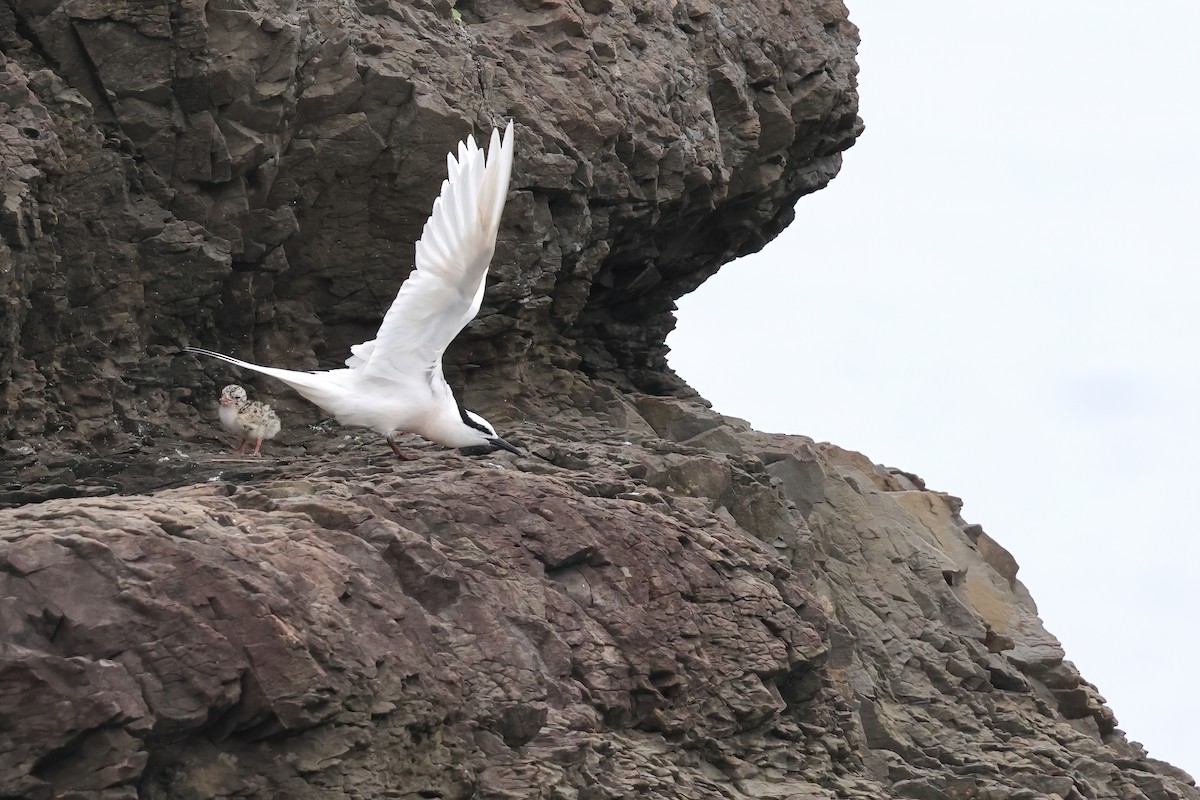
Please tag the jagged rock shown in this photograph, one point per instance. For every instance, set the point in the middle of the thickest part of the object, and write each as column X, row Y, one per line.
column 659, row 602
column 479, row 627
column 252, row 177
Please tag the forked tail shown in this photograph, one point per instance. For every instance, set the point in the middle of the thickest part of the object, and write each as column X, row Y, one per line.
column 323, row 388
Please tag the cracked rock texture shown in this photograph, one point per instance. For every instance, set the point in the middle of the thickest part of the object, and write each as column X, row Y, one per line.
column 726, row 615
column 251, row 177
column 659, row 602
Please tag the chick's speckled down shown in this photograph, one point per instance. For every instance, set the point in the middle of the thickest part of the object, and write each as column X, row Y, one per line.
column 249, row 419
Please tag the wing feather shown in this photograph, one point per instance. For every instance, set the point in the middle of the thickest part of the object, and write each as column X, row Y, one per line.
column 445, row 289
column 325, row 388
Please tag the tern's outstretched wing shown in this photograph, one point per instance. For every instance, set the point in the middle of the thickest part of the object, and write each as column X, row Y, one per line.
column 445, row 289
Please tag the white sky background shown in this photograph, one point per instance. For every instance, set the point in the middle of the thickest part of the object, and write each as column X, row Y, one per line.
column 999, row 293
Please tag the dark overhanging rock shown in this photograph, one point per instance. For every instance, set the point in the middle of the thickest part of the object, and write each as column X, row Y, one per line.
column 252, row 178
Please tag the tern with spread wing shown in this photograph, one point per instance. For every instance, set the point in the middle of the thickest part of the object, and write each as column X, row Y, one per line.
column 394, row 383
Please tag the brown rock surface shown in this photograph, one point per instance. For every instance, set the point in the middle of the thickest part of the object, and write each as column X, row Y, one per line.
column 610, row 618
column 660, row 603
column 251, row 177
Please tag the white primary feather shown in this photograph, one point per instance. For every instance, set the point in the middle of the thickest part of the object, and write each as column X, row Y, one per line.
column 394, row 381
column 445, row 290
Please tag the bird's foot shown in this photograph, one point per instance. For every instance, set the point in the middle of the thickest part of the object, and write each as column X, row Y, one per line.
column 400, row 454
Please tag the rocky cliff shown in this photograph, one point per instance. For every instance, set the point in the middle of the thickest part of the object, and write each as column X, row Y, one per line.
column 657, row 602
column 251, row 176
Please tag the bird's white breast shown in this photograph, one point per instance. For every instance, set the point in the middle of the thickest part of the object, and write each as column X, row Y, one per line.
column 229, row 419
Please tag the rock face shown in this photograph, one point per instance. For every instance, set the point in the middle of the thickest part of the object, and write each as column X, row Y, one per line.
column 660, row 602
column 251, row 176
column 733, row 615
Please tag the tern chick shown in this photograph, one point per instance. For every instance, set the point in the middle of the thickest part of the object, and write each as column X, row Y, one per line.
column 248, row 419
column 394, row 382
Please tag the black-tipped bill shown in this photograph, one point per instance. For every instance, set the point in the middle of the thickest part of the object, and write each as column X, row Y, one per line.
column 496, row 440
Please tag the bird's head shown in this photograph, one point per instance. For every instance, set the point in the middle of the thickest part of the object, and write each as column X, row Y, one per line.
column 233, row 395
column 477, row 432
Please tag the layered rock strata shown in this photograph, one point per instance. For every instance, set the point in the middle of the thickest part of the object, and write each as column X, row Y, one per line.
column 660, row 602
column 251, row 176
column 688, row 609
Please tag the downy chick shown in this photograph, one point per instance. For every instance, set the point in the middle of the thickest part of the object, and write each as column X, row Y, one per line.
column 246, row 418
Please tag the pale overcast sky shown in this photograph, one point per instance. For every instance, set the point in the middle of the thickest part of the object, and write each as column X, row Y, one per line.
column 999, row 293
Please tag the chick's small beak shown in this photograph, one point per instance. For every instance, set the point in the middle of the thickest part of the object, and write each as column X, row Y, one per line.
column 498, row 442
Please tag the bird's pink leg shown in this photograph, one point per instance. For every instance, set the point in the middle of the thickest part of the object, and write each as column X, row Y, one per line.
column 400, row 454
column 257, row 446
column 241, row 445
